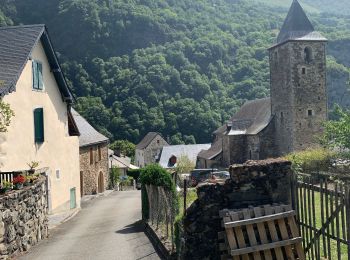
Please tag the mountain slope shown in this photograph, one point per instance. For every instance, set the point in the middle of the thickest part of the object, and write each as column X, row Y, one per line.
column 180, row 67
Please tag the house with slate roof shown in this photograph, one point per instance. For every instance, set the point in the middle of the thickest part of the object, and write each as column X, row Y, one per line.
column 93, row 154
column 148, row 150
column 291, row 119
column 43, row 128
column 171, row 154
column 122, row 162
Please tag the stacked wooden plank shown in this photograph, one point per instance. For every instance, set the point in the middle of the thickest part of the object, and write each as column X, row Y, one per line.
column 268, row 232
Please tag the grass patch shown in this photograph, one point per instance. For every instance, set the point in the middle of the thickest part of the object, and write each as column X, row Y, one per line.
column 316, row 207
column 190, row 198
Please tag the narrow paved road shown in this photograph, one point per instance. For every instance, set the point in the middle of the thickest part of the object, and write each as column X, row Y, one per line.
column 106, row 228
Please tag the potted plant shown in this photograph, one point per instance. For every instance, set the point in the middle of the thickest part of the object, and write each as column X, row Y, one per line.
column 32, row 165
column 5, row 186
column 18, row 181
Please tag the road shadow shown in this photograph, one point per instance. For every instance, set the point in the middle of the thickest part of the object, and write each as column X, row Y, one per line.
column 137, row 227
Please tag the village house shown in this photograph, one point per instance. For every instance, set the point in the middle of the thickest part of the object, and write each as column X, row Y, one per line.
column 121, row 162
column 43, row 128
column 148, row 150
column 291, row 118
column 170, row 155
column 93, row 150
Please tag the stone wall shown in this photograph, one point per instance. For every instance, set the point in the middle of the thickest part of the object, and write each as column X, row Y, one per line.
column 90, row 171
column 23, row 219
column 253, row 183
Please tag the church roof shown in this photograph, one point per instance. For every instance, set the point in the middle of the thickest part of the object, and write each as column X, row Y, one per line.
column 252, row 118
column 297, row 26
column 213, row 151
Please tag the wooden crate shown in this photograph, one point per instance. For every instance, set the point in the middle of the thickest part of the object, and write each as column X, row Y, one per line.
column 268, row 232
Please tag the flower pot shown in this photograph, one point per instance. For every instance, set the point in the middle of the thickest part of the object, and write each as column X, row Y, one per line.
column 31, row 171
column 18, row 186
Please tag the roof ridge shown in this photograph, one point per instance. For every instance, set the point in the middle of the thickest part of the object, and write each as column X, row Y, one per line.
column 7, row 27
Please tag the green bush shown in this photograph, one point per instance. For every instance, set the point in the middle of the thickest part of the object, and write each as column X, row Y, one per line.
column 312, row 160
column 134, row 173
column 114, row 176
column 154, row 174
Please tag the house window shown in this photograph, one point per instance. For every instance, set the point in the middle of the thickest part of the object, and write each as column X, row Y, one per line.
column 99, row 153
column 37, row 75
column 310, row 112
column 172, row 161
column 39, row 125
column 57, row 174
column 91, row 155
column 303, row 71
column 157, row 141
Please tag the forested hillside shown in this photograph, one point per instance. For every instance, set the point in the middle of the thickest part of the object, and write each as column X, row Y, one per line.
column 180, row 67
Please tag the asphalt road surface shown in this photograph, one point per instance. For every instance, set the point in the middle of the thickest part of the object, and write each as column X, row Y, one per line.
column 106, row 228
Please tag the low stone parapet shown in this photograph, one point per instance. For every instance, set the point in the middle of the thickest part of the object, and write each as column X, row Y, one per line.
column 23, row 218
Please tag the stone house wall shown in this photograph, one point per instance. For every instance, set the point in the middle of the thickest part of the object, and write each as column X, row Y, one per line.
column 153, row 149
column 23, row 219
column 252, row 184
column 90, row 171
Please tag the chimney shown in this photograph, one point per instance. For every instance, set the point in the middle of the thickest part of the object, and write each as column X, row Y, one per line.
column 117, row 152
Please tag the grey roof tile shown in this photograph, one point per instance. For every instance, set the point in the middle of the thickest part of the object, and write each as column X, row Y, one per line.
column 252, row 118
column 191, row 151
column 88, row 134
column 147, row 140
column 16, row 46
column 213, row 151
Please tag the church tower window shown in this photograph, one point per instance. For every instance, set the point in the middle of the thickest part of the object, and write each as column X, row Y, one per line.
column 308, row 55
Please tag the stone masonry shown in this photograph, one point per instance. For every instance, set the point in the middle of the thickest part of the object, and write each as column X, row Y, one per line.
column 298, row 94
column 23, row 219
column 251, row 184
column 90, row 171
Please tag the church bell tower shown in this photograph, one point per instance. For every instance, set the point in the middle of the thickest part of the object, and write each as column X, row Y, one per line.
column 298, row 83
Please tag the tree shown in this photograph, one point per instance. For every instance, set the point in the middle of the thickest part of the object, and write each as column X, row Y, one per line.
column 337, row 132
column 124, row 146
column 184, row 165
column 6, row 113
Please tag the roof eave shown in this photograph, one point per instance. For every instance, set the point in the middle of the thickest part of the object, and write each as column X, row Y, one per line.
column 297, row 40
column 95, row 143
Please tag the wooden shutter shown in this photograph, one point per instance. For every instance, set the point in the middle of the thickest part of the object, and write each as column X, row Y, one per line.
column 40, row 75
column 35, row 74
column 39, row 125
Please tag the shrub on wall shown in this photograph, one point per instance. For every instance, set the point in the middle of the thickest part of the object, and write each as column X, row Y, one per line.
column 154, row 174
column 157, row 176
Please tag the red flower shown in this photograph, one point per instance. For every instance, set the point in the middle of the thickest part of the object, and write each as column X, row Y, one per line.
column 20, row 179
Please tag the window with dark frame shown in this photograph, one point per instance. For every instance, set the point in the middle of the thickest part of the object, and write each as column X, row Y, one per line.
column 37, row 75
column 310, row 112
column 303, row 71
column 39, row 125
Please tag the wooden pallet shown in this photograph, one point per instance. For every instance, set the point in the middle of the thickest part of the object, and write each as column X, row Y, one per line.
column 259, row 233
